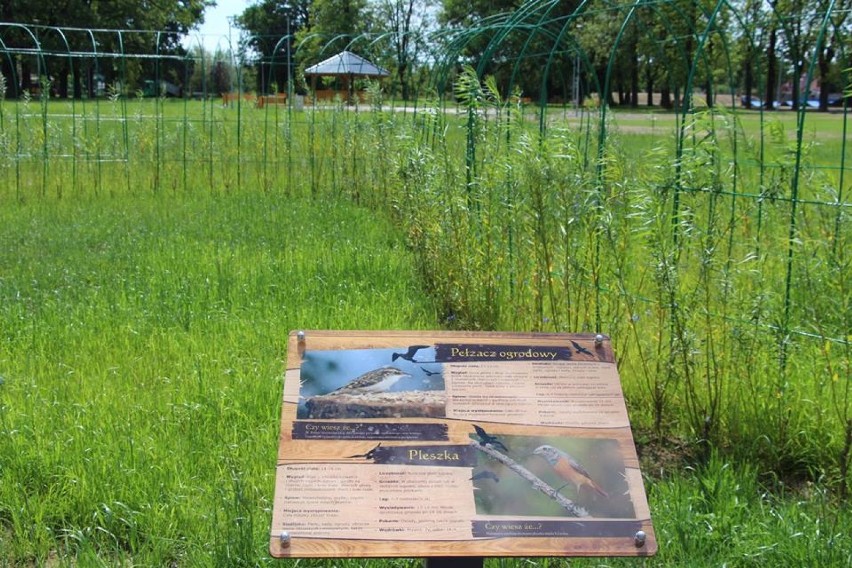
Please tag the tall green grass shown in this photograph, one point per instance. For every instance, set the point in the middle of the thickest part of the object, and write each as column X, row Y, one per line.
column 714, row 254
column 116, row 145
column 141, row 355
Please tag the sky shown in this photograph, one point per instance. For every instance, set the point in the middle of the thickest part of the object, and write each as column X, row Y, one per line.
column 214, row 30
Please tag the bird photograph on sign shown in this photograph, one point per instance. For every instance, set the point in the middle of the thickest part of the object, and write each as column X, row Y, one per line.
column 589, row 472
column 371, row 383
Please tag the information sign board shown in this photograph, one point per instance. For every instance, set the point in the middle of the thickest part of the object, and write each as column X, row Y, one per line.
column 423, row 444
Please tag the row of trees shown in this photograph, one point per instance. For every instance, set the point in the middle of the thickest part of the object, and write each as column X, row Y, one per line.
column 766, row 49
column 175, row 17
column 546, row 49
column 63, row 26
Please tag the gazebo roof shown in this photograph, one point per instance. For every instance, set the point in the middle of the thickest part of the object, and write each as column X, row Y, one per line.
column 346, row 63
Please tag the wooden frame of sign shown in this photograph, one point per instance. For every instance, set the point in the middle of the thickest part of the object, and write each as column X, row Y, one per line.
column 456, row 444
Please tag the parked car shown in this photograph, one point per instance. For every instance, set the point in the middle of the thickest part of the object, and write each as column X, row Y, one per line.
column 756, row 102
column 803, row 103
column 835, row 99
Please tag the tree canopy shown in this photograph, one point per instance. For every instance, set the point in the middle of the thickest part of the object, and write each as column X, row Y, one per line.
column 177, row 16
column 767, row 51
column 168, row 21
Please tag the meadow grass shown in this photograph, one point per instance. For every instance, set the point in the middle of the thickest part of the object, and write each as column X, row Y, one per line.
column 141, row 357
column 154, row 254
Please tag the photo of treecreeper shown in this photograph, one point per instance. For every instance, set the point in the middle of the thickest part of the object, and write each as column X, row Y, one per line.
column 372, row 383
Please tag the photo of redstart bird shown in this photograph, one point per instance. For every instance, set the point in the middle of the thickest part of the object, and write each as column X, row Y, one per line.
column 569, row 469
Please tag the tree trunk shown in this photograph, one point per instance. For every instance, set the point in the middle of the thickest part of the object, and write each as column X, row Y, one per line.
column 26, row 79
column 606, row 98
column 649, row 85
column 748, row 79
column 634, row 79
column 261, row 79
column 825, row 57
column 708, row 85
column 771, row 69
column 666, row 97
column 403, row 84
column 90, row 81
column 62, row 80
column 78, row 83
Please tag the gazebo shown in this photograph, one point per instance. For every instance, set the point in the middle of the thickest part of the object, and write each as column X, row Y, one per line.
column 346, row 66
